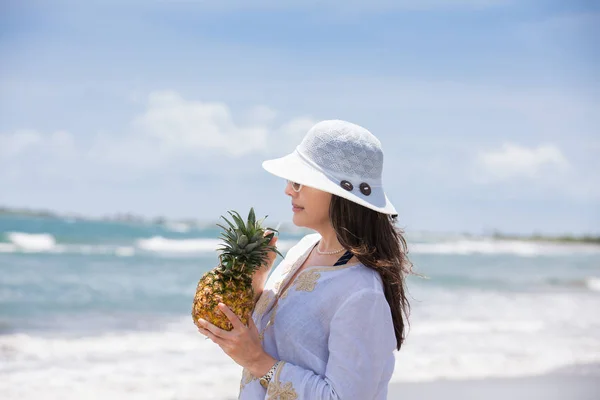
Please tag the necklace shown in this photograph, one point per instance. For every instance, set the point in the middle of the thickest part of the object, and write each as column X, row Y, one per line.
column 328, row 253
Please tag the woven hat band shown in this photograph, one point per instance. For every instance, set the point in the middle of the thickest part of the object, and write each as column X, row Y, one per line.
column 337, row 177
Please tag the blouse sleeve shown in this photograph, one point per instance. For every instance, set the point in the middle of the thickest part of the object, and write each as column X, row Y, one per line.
column 360, row 343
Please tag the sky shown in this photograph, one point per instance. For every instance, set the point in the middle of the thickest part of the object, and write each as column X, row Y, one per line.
column 488, row 111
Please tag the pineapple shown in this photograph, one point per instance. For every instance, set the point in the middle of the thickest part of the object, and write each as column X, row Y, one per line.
column 245, row 249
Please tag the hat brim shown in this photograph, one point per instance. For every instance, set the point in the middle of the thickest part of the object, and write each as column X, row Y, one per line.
column 295, row 169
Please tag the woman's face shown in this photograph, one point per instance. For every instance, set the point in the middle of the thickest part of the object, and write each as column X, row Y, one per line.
column 310, row 206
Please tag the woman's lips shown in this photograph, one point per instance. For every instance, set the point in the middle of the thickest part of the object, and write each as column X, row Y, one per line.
column 295, row 208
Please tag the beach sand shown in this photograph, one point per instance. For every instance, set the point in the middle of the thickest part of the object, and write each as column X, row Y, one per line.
column 553, row 386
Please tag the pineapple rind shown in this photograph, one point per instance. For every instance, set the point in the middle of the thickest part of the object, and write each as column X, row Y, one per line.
column 212, row 289
column 245, row 248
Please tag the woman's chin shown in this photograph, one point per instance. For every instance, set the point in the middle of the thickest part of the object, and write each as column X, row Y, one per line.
column 302, row 222
column 299, row 221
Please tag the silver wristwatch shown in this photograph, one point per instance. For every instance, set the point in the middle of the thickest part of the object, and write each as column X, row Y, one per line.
column 266, row 378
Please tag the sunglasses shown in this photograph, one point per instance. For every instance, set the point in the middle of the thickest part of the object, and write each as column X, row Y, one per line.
column 295, row 186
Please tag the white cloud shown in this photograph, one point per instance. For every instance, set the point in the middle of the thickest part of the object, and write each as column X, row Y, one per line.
column 34, row 156
column 171, row 136
column 293, row 131
column 12, row 144
column 516, row 162
column 173, row 127
column 16, row 143
column 180, row 126
column 260, row 115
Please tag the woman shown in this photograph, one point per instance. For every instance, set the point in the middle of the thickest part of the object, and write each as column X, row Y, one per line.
column 333, row 311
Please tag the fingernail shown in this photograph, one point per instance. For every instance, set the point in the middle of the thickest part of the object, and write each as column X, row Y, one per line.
column 201, row 321
column 221, row 305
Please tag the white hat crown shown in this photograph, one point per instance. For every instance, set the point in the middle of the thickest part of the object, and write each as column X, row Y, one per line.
column 341, row 158
column 344, row 151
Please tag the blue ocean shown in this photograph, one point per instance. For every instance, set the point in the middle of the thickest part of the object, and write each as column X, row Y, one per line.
column 94, row 309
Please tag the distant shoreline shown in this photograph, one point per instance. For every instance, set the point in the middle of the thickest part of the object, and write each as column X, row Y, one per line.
column 118, row 217
column 132, row 218
column 589, row 239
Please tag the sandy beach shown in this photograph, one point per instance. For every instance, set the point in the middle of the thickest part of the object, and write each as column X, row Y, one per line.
column 554, row 386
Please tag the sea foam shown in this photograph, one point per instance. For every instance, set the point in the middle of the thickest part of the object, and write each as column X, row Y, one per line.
column 32, row 242
column 176, row 361
column 20, row 242
column 160, row 244
column 164, row 245
column 173, row 363
column 46, row 243
column 492, row 246
column 592, row 283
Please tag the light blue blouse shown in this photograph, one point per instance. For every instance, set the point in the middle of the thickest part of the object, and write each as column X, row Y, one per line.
column 332, row 328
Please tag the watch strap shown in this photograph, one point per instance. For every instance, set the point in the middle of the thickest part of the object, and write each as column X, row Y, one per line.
column 266, row 378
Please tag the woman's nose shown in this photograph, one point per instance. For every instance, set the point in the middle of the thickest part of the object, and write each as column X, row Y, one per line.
column 289, row 191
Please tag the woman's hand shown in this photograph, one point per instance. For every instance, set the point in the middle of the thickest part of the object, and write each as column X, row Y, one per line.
column 260, row 275
column 242, row 343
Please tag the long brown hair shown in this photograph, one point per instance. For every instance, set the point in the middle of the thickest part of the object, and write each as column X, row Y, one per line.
column 377, row 243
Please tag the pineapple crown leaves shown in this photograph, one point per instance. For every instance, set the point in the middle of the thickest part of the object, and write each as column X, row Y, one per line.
column 245, row 247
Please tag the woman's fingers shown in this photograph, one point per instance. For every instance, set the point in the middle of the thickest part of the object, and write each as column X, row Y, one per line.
column 214, row 330
column 271, row 255
column 209, row 335
column 273, row 239
column 231, row 316
column 251, row 324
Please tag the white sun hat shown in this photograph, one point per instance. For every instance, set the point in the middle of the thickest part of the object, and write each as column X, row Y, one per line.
column 341, row 158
